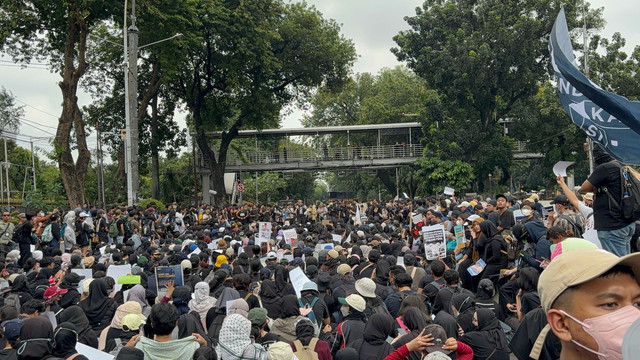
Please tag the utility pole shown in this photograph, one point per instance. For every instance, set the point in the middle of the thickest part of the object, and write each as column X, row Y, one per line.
column 131, row 104
column 33, row 165
column 6, row 172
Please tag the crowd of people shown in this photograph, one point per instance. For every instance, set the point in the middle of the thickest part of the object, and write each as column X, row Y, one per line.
column 355, row 281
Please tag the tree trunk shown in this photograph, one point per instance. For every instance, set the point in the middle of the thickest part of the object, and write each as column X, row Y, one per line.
column 155, row 163
column 120, row 170
column 73, row 173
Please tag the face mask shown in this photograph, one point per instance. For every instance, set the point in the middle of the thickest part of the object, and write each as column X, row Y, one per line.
column 608, row 331
column 344, row 311
column 526, row 212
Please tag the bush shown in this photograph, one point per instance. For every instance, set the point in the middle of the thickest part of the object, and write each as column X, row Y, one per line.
column 159, row 205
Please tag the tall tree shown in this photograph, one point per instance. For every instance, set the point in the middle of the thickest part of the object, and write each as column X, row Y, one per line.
column 57, row 32
column 482, row 57
column 243, row 61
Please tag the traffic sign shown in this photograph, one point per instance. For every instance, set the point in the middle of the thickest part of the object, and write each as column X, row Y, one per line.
column 240, row 187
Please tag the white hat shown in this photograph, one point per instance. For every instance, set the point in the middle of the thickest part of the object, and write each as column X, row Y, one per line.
column 464, row 204
column 366, row 287
column 37, row 255
column 355, row 301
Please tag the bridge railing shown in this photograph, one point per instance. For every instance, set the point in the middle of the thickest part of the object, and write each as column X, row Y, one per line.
column 288, row 155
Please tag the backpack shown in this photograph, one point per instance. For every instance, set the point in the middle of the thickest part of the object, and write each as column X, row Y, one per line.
column 508, row 331
column 307, row 311
column 13, row 300
column 306, row 352
column 629, row 203
column 17, row 234
column 511, row 247
column 47, row 235
column 577, row 228
column 437, row 285
column 113, row 229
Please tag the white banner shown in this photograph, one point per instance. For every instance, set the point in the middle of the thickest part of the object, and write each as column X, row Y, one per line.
column 298, row 278
column 264, row 233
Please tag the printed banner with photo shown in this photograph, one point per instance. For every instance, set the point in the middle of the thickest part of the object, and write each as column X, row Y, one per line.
column 435, row 241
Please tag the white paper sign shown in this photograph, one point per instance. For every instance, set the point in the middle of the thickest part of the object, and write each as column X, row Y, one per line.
column 52, row 318
column 400, row 261
column 91, row 353
column 213, row 245
column 116, row 271
column 324, row 246
column 416, row 218
column 518, row 215
column 265, row 232
column 560, row 168
column 449, row 191
column 87, row 273
column 290, row 235
column 33, row 248
column 336, row 238
column 435, row 241
column 298, row 278
column 197, row 251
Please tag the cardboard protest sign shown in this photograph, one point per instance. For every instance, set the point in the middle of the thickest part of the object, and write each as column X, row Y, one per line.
column 435, row 241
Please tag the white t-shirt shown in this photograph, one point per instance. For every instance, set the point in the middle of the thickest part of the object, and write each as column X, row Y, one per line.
column 587, row 214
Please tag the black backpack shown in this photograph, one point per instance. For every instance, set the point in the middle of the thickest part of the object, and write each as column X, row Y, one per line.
column 578, row 230
column 17, row 233
column 629, row 202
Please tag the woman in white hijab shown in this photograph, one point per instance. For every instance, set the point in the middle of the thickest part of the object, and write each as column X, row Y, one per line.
column 69, row 231
column 234, row 342
column 202, row 302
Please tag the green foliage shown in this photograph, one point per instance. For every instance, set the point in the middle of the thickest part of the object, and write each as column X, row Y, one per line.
column 159, row 205
column 437, row 173
column 271, row 186
column 35, row 200
column 10, row 113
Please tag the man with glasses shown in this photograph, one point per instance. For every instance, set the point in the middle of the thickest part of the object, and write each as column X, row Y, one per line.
column 6, row 233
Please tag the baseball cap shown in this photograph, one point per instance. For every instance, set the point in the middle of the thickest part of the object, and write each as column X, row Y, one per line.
column 12, row 328
column 588, row 196
column 366, row 287
column 492, row 202
column 72, row 278
column 343, row 269
column 272, row 255
column 333, row 253
column 570, row 269
column 437, row 355
column 355, row 301
column 21, row 215
column 132, row 322
column 562, row 200
column 53, row 291
column 501, row 196
column 464, row 204
column 439, row 338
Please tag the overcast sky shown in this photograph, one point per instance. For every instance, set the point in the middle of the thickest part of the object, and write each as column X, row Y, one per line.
column 371, row 24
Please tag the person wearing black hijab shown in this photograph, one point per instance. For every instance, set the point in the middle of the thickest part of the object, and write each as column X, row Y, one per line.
column 130, row 353
column 305, row 335
column 285, row 325
column 98, row 307
column 463, row 307
column 494, row 256
column 35, row 338
column 347, row 354
column 415, row 321
column 64, row 342
column 283, row 286
column 21, row 288
column 72, row 297
column 76, row 316
column 181, row 297
column 489, row 340
column 373, row 344
column 271, row 299
column 484, row 296
column 42, row 279
column 382, row 279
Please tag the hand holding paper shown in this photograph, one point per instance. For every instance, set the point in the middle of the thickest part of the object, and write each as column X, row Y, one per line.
column 560, row 168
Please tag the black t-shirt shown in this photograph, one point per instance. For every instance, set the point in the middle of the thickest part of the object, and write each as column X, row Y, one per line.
column 605, row 217
column 506, row 220
column 529, row 301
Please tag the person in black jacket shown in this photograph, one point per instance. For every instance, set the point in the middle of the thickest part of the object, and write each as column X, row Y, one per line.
column 25, row 239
